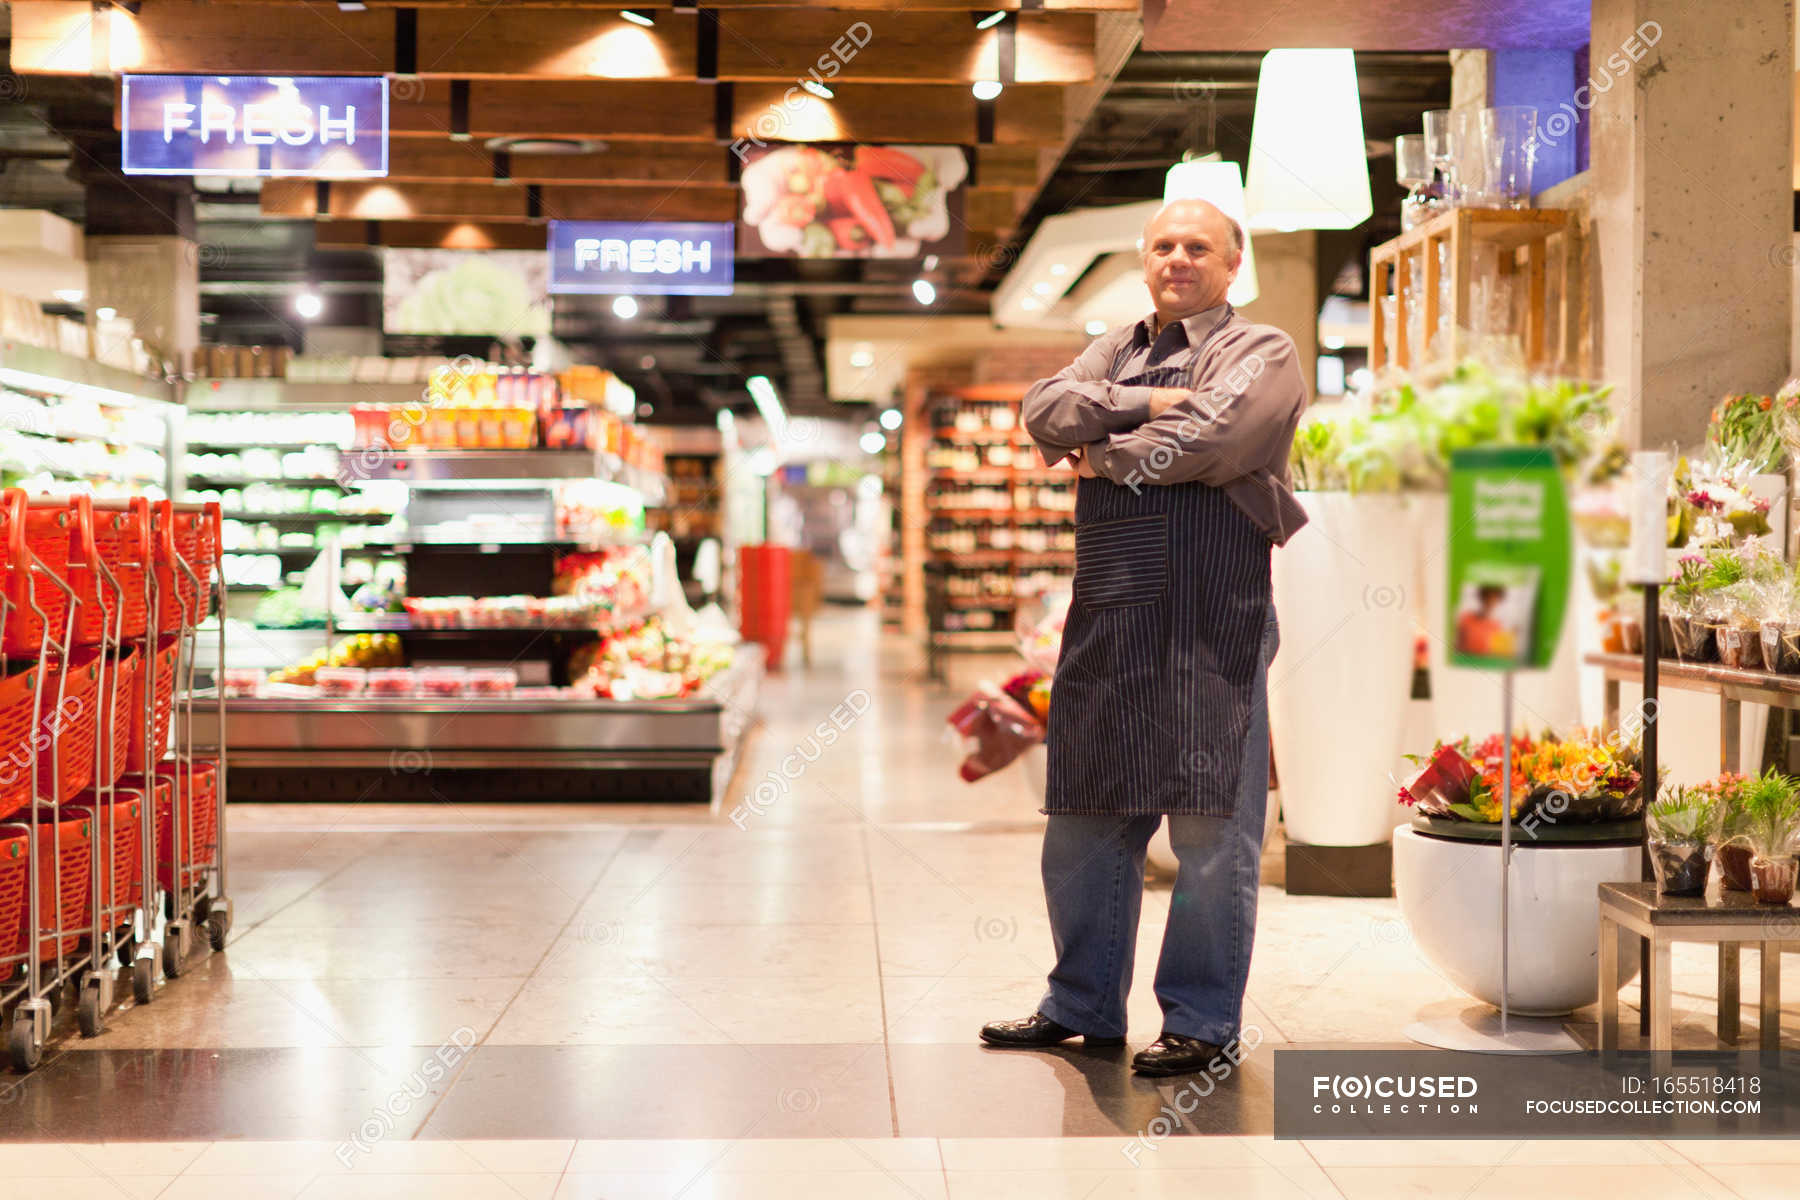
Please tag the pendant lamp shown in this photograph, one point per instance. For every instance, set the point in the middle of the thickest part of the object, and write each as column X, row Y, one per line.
column 1220, row 184
column 1309, row 168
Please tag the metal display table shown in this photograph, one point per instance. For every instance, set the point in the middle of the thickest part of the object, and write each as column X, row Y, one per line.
column 491, row 748
column 1727, row 918
column 1732, row 686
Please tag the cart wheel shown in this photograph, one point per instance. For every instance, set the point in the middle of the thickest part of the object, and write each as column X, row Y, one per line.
column 202, row 907
column 87, row 1010
column 23, row 1045
column 175, row 947
column 143, row 980
column 217, row 926
column 127, row 951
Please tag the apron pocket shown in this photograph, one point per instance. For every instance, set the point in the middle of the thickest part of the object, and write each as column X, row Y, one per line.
column 1122, row 562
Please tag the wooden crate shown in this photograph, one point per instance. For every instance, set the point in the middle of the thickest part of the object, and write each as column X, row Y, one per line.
column 1535, row 243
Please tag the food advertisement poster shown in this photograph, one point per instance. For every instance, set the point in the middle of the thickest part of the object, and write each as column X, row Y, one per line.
column 844, row 200
column 490, row 293
column 1510, row 551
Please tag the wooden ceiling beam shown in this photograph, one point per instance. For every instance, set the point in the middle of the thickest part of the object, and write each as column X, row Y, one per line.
column 884, row 6
column 503, row 235
column 479, row 202
column 507, row 42
column 681, row 164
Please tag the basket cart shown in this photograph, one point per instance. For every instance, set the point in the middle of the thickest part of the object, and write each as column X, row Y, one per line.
column 40, row 610
column 190, row 832
column 138, row 736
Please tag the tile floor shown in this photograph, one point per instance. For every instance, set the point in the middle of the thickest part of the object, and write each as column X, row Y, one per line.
column 641, row 1001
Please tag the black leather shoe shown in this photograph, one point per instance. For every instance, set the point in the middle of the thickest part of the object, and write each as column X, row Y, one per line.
column 1036, row 1032
column 1174, row 1054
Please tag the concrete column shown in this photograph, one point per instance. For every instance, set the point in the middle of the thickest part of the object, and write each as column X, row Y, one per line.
column 153, row 282
column 1692, row 177
column 1288, row 292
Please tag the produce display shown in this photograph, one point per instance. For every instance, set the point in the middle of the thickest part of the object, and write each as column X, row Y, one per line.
column 358, row 650
column 646, row 662
column 506, row 612
column 1577, row 779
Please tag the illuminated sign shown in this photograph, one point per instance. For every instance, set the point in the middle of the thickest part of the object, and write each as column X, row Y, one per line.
column 674, row 258
column 249, row 125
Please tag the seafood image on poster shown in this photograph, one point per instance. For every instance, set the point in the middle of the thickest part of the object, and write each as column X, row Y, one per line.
column 845, row 200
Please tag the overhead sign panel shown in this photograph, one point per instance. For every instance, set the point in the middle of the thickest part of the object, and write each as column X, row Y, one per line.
column 667, row 258
column 250, row 125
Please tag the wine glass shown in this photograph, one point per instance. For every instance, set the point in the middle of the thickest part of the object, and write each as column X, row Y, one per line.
column 1440, row 149
column 1413, row 171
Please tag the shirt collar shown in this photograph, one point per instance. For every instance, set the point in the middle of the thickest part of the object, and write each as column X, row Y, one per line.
column 1192, row 328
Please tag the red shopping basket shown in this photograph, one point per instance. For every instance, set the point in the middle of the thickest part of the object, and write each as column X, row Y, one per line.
column 18, row 703
column 199, row 784
column 120, row 825
column 122, row 537
column 162, row 665
column 118, row 688
column 67, row 877
column 189, row 539
column 97, row 609
column 73, row 729
column 41, row 534
column 15, row 877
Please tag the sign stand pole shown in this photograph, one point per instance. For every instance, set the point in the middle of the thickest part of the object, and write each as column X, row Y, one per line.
column 1506, row 807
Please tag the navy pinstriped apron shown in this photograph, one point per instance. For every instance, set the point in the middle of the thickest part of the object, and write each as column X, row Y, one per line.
column 1154, row 688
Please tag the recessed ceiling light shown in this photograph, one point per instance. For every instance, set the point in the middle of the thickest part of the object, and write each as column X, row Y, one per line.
column 648, row 362
column 816, row 88
column 862, row 357
column 890, row 418
column 923, row 292
column 638, row 18
column 1030, row 304
column 991, row 20
column 1059, row 268
column 69, row 295
column 645, row 409
column 309, row 305
column 987, row 89
column 872, row 442
column 1041, row 288
column 625, row 308
column 106, row 313
column 1095, row 328
column 1332, row 343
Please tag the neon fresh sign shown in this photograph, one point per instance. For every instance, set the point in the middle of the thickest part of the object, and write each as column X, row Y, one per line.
column 647, row 257
column 251, row 125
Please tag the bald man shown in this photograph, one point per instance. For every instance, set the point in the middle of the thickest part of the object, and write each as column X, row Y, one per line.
column 1180, row 426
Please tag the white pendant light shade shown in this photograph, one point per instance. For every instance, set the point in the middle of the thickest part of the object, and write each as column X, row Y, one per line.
column 1309, row 168
column 1219, row 184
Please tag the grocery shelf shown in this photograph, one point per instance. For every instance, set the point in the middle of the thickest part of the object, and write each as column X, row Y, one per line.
column 284, row 395
column 241, row 481
column 984, row 437
column 1001, row 514
column 35, row 369
column 430, row 465
column 304, row 517
column 238, row 447
column 463, row 631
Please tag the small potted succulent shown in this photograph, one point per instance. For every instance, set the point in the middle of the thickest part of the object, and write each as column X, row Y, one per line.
column 1770, row 825
column 1679, row 824
column 1739, row 631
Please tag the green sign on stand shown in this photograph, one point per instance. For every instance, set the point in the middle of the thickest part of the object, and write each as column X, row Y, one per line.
column 1510, row 557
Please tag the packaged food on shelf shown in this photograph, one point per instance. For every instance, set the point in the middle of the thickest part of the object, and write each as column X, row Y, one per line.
column 492, row 681
column 390, row 681
column 242, row 681
column 439, row 682
column 340, row 681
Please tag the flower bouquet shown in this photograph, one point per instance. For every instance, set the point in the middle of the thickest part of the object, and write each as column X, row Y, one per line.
column 1579, row 779
column 1749, row 428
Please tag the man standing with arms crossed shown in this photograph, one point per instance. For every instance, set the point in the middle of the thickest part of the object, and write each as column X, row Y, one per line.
column 1180, row 426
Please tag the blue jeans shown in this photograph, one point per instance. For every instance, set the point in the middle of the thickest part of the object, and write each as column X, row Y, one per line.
column 1094, row 885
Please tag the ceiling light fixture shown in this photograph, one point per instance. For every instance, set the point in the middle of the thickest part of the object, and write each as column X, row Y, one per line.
column 638, row 18
column 987, row 89
column 862, row 358
column 818, row 89
column 890, row 418
column 624, row 308
column 1095, row 328
column 105, row 313
column 69, row 295
column 923, row 292
column 1309, row 165
column 309, row 305
column 991, row 20
column 872, row 442
column 768, row 403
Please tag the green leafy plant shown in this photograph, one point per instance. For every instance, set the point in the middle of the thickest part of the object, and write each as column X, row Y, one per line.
column 1746, row 427
column 1682, row 814
column 1768, row 814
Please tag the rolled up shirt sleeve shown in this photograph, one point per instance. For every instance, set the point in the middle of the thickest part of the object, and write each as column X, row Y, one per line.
column 1079, row 406
column 1239, row 420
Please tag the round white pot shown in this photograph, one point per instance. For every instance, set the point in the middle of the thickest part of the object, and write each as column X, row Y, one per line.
column 1449, row 893
column 1468, row 701
column 1338, row 688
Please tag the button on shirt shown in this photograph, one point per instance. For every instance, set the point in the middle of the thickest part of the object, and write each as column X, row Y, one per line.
column 1234, row 431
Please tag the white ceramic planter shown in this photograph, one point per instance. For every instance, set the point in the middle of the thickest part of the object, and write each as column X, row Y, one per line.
column 1339, row 686
column 1449, row 893
column 1467, row 701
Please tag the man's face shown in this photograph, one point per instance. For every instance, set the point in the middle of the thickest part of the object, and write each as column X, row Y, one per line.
column 1188, row 263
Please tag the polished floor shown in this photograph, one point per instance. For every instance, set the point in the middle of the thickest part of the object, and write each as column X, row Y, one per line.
column 777, row 998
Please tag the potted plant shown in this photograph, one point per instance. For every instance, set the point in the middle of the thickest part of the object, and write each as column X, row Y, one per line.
column 1768, row 825
column 1733, row 855
column 1679, row 823
column 1739, row 631
column 1781, row 632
